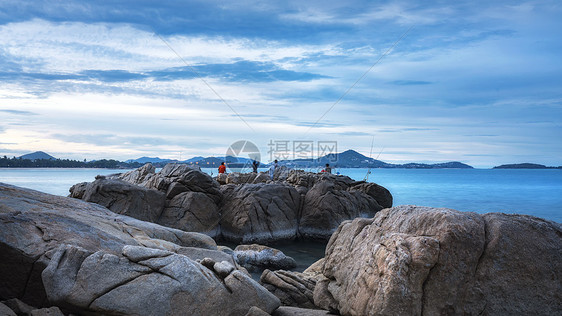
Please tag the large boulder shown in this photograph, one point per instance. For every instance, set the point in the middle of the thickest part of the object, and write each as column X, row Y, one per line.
column 138, row 175
column 126, row 199
column 259, row 257
column 410, row 260
column 192, row 211
column 239, row 178
column 328, row 203
column 193, row 179
column 163, row 283
column 34, row 224
column 259, row 213
column 328, row 200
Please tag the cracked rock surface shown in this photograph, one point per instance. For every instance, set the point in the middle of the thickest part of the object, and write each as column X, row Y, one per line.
column 411, row 260
column 34, row 224
column 238, row 207
column 144, row 281
column 259, row 213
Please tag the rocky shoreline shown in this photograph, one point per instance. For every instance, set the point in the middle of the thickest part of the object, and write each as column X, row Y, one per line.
column 239, row 208
column 141, row 243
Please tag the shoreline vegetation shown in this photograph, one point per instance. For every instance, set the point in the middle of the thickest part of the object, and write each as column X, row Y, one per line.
column 346, row 159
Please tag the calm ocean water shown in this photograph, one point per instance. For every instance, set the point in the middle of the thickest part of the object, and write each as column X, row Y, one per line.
column 532, row 192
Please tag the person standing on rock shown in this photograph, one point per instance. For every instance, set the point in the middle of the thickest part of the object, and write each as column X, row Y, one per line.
column 255, row 165
column 272, row 169
column 222, row 168
column 328, row 169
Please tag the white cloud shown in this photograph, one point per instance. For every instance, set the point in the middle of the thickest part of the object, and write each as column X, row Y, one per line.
column 400, row 13
column 74, row 46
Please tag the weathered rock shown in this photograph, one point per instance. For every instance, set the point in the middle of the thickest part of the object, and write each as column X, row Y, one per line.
column 174, row 170
column 254, row 209
column 281, row 173
column 192, row 211
column 296, row 311
column 292, row 288
column 221, row 178
column 255, row 311
column 259, row 213
column 240, row 178
column 139, row 175
column 164, row 283
column 33, row 224
column 258, row 257
column 50, row 311
column 192, row 178
column 330, row 202
column 315, row 268
column 261, row 177
column 126, row 199
column 6, row 311
column 423, row 261
column 18, row 307
column 377, row 192
column 77, row 190
column 157, row 182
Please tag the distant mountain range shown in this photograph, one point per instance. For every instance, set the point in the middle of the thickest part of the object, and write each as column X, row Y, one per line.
column 352, row 159
column 346, row 159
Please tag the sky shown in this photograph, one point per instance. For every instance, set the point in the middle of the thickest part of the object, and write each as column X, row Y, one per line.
column 403, row 81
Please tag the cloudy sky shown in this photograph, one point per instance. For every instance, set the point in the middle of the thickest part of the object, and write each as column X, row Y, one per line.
column 472, row 81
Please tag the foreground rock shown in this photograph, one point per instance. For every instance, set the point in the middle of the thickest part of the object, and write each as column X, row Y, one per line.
column 164, row 283
column 87, row 243
column 424, row 261
column 292, row 288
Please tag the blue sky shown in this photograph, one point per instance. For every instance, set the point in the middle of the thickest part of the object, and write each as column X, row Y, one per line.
column 472, row 81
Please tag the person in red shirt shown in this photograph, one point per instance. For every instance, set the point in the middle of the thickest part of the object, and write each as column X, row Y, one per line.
column 222, row 168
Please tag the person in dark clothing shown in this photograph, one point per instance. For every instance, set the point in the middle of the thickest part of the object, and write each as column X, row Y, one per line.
column 255, row 165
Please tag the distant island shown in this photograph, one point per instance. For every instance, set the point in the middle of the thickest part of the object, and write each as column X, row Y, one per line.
column 525, row 165
column 346, row 159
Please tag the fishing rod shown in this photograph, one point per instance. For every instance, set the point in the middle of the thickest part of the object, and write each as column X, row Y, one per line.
column 366, row 178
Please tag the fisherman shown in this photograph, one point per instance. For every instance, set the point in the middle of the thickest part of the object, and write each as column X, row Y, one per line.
column 328, row 169
column 222, row 168
column 255, row 165
column 272, row 169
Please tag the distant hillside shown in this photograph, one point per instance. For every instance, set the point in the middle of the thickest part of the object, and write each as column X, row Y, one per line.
column 144, row 160
column 38, row 155
column 194, row 159
column 352, row 159
column 525, row 165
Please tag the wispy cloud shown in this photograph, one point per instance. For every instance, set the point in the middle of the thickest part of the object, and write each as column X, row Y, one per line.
column 17, row 112
column 471, row 78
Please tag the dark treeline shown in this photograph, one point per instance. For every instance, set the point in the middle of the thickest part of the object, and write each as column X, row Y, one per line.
column 14, row 162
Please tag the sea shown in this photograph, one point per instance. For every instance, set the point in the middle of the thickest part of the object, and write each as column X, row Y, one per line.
column 536, row 192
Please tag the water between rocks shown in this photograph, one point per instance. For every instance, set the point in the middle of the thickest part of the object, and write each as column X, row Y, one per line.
column 304, row 252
